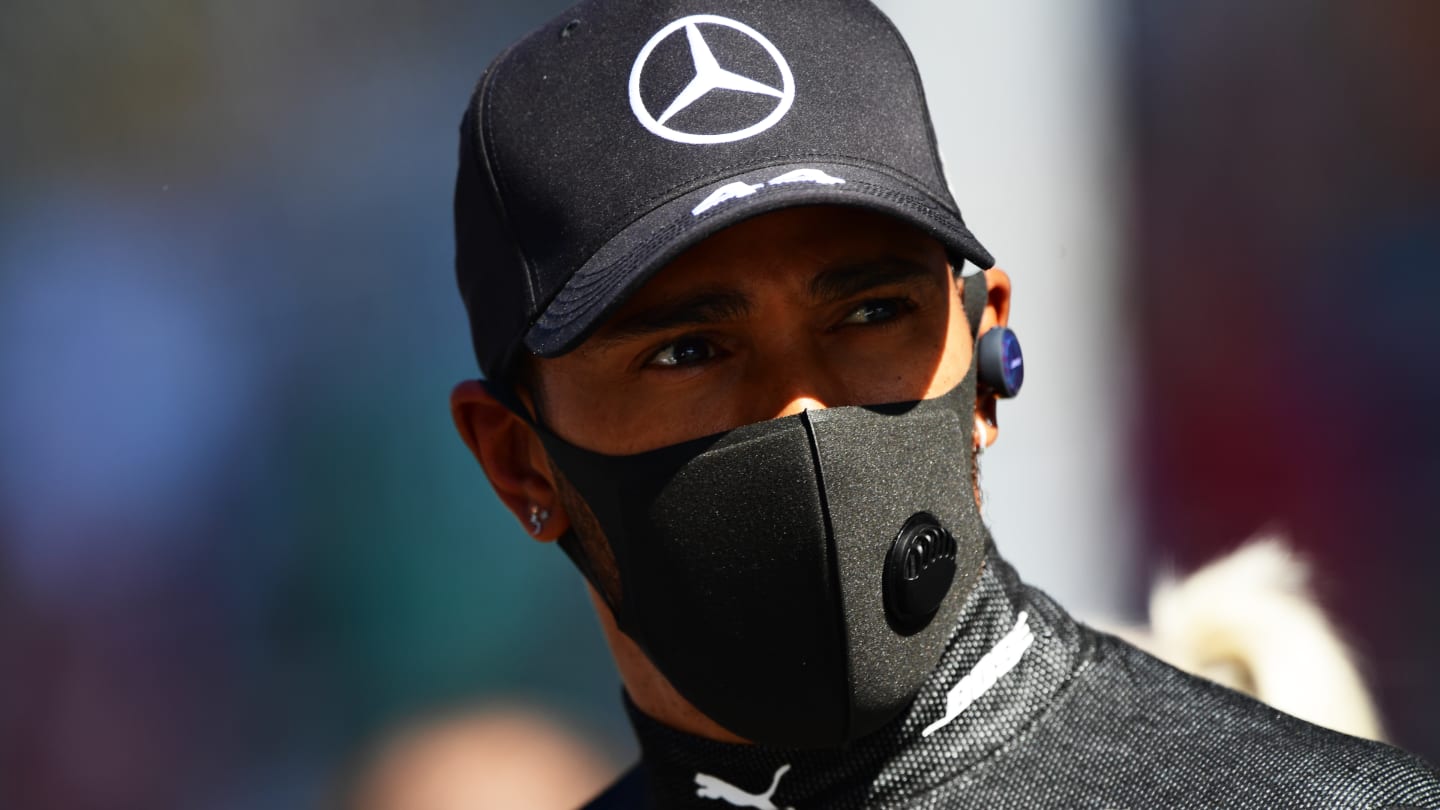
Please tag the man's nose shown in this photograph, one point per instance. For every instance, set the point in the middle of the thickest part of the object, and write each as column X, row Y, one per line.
column 794, row 374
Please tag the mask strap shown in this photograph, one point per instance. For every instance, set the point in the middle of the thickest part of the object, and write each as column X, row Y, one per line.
column 569, row 542
column 975, row 295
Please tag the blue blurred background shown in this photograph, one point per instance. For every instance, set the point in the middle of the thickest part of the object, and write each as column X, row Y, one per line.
column 240, row 542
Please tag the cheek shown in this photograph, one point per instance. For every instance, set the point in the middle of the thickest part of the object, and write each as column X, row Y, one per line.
column 609, row 411
column 954, row 353
column 923, row 359
column 580, row 405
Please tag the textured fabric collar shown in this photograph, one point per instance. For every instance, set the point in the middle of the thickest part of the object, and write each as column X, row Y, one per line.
column 1012, row 652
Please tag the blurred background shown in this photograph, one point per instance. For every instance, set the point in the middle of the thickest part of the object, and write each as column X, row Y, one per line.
column 246, row 563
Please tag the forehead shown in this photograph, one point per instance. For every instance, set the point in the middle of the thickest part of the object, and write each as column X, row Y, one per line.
column 791, row 242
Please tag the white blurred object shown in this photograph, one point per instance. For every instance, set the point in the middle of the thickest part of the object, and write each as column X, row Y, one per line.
column 1249, row 621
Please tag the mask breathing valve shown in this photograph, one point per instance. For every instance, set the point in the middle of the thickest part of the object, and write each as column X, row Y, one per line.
column 918, row 573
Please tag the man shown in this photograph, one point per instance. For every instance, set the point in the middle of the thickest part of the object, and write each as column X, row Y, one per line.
column 740, row 353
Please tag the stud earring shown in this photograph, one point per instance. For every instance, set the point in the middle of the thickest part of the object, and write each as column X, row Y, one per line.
column 538, row 517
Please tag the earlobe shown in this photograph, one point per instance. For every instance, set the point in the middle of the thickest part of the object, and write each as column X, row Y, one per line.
column 984, row 434
column 512, row 457
column 987, row 429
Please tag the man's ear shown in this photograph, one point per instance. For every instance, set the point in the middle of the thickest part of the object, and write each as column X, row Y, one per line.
column 997, row 300
column 997, row 313
column 513, row 459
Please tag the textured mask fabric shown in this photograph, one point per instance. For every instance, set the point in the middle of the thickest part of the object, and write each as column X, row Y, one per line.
column 751, row 562
column 878, row 469
column 1081, row 720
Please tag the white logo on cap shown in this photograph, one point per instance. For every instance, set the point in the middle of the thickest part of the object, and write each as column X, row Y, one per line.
column 710, row 76
column 726, row 193
column 807, row 176
column 735, row 190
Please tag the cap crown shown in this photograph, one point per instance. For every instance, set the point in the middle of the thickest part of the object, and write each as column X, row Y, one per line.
column 615, row 108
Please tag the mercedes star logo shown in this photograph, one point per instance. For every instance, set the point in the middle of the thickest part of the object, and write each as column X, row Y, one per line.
column 710, row 76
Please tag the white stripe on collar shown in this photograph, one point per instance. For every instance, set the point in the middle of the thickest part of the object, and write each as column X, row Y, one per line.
column 987, row 671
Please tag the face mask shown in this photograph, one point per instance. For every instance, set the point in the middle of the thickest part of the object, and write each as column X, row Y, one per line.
column 796, row 579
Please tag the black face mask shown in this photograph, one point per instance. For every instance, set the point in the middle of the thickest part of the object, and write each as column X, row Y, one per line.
column 796, row 579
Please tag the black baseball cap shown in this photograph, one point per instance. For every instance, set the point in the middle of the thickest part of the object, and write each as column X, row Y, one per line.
column 603, row 145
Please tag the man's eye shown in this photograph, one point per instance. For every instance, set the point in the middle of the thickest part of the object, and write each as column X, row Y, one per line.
column 683, row 352
column 874, row 312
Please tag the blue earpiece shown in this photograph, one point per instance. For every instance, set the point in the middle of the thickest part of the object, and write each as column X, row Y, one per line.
column 1001, row 363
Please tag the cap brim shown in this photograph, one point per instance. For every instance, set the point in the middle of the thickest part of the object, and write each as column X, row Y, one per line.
column 628, row 260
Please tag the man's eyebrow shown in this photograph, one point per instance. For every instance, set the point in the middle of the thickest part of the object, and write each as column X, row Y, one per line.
column 854, row 278
column 699, row 309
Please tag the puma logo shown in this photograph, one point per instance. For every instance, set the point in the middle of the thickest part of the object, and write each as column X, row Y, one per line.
column 713, row 787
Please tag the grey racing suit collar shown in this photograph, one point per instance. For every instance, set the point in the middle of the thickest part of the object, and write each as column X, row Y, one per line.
column 1012, row 653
